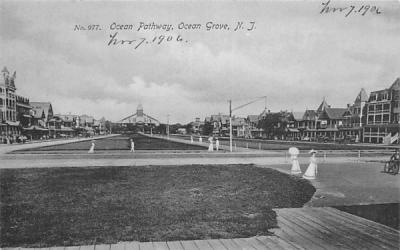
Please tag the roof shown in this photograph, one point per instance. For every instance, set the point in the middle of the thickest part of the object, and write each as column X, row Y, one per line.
column 362, row 96
column 41, row 107
column 66, row 118
column 323, row 106
column 298, row 116
column 309, row 115
column 335, row 113
column 396, row 84
column 252, row 118
column 238, row 121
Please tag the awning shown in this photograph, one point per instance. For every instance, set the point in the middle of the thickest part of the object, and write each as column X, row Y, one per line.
column 31, row 128
column 27, row 116
column 23, row 105
column 67, row 129
column 293, row 130
column 13, row 123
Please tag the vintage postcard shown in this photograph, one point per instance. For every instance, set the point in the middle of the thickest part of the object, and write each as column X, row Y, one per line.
column 199, row 125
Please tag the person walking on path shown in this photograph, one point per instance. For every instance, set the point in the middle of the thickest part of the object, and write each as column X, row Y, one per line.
column 217, row 144
column 312, row 170
column 91, row 150
column 132, row 146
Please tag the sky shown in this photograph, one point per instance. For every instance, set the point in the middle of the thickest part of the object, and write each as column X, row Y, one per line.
column 295, row 56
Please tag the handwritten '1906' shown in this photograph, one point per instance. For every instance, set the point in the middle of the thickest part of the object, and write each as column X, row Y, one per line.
column 115, row 41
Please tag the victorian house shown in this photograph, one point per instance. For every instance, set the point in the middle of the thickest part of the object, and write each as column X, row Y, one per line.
column 9, row 125
column 382, row 115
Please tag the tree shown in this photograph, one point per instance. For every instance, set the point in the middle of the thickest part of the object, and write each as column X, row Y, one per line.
column 275, row 124
column 207, row 128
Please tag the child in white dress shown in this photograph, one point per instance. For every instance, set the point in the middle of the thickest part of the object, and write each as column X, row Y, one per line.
column 91, row 150
column 132, row 146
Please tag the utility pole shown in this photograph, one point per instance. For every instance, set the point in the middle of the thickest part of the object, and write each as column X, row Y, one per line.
column 230, row 116
column 230, row 125
column 168, row 126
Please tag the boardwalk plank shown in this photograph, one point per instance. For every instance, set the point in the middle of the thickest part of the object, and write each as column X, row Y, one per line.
column 134, row 245
column 315, row 229
column 102, row 247
column 280, row 243
column 203, row 244
column 146, row 246
column 175, row 245
column 72, row 248
column 85, row 247
column 245, row 245
column 290, row 239
column 189, row 245
column 230, row 244
column 118, row 246
column 299, row 236
column 216, row 244
column 363, row 221
column 336, row 232
column 51, row 248
column 160, row 246
column 256, row 243
column 362, row 233
column 366, row 227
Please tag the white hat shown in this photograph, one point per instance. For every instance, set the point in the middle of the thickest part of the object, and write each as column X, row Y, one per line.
column 312, row 151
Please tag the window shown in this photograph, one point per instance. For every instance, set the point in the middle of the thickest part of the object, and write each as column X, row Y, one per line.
column 371, row 108
column 386, row 107
column 386, row 118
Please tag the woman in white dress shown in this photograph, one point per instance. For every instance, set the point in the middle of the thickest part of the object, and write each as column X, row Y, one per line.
column 312, row 170
column 91, row 150
column 217, row 144
column 294, row 152
column 211, row 146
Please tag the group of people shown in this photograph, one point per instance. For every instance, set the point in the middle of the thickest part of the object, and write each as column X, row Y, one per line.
column 312, row 169
column 91, row 149
column 210, row 140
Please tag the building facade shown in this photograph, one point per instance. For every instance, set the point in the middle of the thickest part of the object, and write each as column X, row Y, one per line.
column 382, row 116
column 9, row 126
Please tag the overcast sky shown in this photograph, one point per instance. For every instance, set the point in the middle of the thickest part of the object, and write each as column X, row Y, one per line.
column 295, row 56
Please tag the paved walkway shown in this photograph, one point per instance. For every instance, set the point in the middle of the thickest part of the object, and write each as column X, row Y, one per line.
column 341, row 181
column 298, row 228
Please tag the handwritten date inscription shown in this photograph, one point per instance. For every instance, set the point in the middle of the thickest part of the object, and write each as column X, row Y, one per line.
column 139, row 42
column 362, row 10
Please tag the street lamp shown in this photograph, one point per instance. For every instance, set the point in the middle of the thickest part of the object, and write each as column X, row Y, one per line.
column 230, row 116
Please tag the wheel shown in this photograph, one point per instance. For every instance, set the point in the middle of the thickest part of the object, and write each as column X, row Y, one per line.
column 395, row 168
column 386, row 168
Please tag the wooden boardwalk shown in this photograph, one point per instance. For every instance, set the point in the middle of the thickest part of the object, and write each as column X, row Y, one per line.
column 299, row 228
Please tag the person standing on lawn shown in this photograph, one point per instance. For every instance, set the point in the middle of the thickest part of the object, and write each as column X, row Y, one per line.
column 211, row 146
column 91, row 150
column 132, row 145
column 200, row 139
column 217, row 144
column 312, row 170
column 191, row 139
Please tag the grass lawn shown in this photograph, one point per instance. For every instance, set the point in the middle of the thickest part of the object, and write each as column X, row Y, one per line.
column 121, row 143
column 77, row 206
